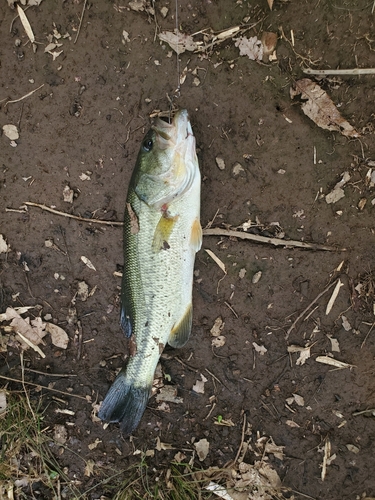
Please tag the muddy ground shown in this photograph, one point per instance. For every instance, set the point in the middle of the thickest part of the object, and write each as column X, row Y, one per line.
column 89, row 118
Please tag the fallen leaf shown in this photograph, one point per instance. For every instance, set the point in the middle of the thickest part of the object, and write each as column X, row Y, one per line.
column 270, row 4
column 93, row 445
column 59, row 337
column 202, row 447
column 256, row 277
column 260, row 348
column 3, row 401
column 217, row 260
column 276, row 450
column 299, row 400
column 168, row 393
column 352, row 448
column 218, row 341
column 291, row 423
column 82, row 290
column 333, row 362
column 250, row 47
column 178, row 42
column 60, row 434
column 162, row 446
column 87, row 262
column 217, row 327
column 89, row 468
column 26, row 24
column 304, row 353
column 68, row 194
column 335, row 347
column 320, row 108
column 220, row 163
column 242, row 273
column 4, row 247
column 199, row 385
column 334, row 295
column 11, row 131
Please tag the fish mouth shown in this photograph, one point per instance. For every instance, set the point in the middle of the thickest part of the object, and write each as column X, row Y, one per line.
column 174, row 133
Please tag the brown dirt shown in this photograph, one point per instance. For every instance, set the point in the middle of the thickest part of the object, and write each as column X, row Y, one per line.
column 90, row 116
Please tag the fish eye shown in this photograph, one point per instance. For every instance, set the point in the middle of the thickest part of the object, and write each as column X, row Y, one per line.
column 147, row 145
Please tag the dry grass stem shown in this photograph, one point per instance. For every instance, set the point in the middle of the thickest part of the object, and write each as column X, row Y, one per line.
column 349, row 72
column 270, row 241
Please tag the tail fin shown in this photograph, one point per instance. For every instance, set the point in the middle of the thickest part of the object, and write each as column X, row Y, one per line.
column 124, row 403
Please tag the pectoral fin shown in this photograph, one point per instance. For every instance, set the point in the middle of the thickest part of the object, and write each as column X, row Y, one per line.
column 196, row 235
column 162, row 232
column 181, row 331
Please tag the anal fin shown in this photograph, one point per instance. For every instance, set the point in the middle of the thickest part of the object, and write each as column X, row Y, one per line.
column 181, row 331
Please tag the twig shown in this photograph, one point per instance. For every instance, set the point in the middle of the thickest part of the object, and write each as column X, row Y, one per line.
column 242, row 439
column 43, row 387
column 350, row 72
column 80, row 21
column 368, row 333
column 271, row 241
column 80, row 338
column 308, row 307
column 70, row 216
column 23, row 97
column 46, row 374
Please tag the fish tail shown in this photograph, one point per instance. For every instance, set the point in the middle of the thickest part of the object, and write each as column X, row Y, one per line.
column 124, row 403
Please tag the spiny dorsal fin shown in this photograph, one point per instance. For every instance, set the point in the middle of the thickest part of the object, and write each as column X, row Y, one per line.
column 181, row 331
column 162, row 232
column 196, row 235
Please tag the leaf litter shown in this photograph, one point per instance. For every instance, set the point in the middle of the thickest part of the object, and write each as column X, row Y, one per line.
column 319, row 107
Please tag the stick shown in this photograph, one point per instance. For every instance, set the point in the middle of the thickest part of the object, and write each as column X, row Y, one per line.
column 271, row 241
column 350, row 72
column 24, row 97
column 42, row 386
column 70, row 216
column 80, row 21
column 308, row 307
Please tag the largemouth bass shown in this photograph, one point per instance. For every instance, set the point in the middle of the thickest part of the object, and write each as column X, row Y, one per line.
column 162, row 234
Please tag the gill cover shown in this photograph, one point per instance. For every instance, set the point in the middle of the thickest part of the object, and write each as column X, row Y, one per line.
column 167, row 161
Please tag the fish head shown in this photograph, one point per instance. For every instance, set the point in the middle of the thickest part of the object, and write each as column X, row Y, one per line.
column 167, row 162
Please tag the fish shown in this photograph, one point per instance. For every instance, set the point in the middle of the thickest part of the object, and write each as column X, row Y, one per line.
column 162, row 234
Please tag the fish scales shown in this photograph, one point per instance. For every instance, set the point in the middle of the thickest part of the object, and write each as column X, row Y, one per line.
column 162, row 233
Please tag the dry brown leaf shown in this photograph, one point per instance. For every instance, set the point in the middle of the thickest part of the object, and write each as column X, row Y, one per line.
column 11, row 131
column 291, row 423
column 320, row 108
column 218, row 341
column 178, row 42
column 168, row 393
column 3, row 401
column 199, row 385
column 89, row 469
column 334, row 295
column 304, row 353
column 270, row 4
column 88, row 262
column 202, row 447
column 68, row 194
column 162, row 446
column 260, row 348
column 333, row 362
column 217, row 260
column 26, row 24
column 4, row 247
column 59, row 337
column 217, row 327
column 82, row 290
column 250, row 47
